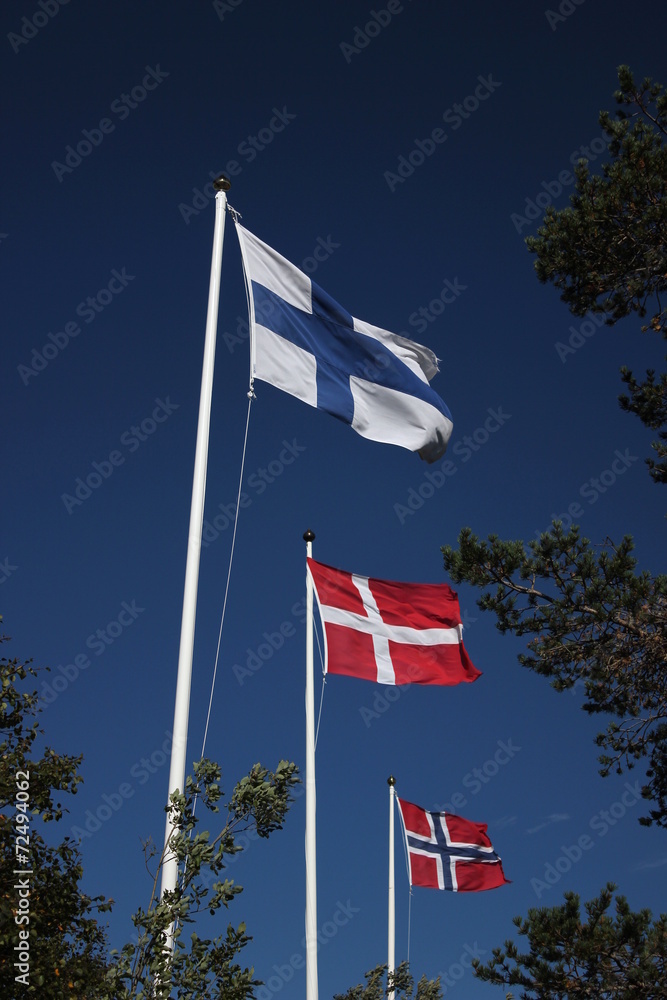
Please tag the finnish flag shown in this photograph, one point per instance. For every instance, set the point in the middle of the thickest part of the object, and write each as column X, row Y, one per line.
column 304, row 343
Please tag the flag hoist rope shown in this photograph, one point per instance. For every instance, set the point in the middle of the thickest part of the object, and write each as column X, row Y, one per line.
column 229, row 574
column 182, row 702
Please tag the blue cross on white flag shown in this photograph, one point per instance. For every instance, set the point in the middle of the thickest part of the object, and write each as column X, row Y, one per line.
column 304, row 343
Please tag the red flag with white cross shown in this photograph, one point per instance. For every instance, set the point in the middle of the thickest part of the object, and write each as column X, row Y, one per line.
column 389, row 632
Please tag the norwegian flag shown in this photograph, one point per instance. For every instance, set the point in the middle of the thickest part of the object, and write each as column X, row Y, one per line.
column 391, row 633
column 449, row 852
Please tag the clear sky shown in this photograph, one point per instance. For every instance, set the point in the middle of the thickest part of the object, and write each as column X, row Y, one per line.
column 400, row 153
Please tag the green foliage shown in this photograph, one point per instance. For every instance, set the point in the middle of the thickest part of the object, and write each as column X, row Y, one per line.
column 594, row 622
column 66, row 944
column 604, row 957
column 201, row 967
column 68, row 947
column 400, row 981
column 607, row 252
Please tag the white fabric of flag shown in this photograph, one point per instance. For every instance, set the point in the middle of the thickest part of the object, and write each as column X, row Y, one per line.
column 306, row 344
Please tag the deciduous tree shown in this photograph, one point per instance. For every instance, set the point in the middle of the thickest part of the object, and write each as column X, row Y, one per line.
column 400, row 982
column 49, row 929
column 57, row 927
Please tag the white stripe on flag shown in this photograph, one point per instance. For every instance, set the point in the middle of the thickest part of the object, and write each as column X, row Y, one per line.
column 419, row 359
column 380, row 641
column 267, row 267
column 285, row 365
column 397, row 633
column 452, row 861
column 393, row 417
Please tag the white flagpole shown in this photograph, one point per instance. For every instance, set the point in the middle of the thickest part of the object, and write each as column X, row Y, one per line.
column 311, row 871
column 391, row 935
column 182, row 704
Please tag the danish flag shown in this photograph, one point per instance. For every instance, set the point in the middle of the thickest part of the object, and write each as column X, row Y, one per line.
column 391, row 633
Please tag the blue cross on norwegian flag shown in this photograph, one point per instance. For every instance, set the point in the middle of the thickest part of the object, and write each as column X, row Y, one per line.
column 303, row 342
column 449, row 852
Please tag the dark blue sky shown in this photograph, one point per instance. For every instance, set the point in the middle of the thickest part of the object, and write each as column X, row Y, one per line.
column 401, row 164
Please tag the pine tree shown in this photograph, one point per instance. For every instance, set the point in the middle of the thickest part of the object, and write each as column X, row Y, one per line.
column 607, row 252
column 593, row 621
column 604, row 957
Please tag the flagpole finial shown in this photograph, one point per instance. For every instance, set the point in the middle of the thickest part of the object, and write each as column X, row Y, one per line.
column 309, row 536
column 391, row 780
column 222, row 183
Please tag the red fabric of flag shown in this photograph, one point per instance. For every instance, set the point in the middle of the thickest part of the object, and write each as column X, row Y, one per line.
column 388, row 632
